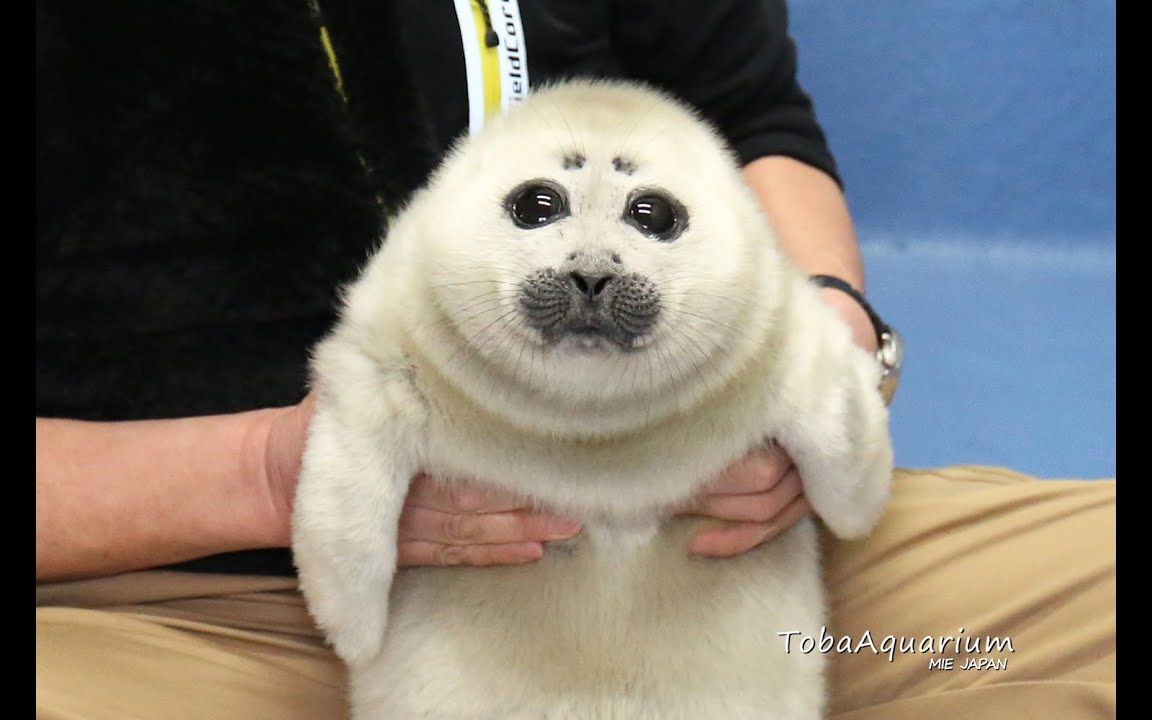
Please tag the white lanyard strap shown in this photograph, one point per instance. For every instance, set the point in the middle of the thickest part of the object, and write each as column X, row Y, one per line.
column 497, row 76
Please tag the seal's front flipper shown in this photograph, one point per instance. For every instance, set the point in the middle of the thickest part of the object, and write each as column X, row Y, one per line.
column 362, row 452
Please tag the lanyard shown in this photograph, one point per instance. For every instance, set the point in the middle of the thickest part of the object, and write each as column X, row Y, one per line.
column 497, row 75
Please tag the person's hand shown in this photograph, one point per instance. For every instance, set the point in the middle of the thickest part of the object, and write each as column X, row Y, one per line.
column 755, row 499
column 467, row 524
column 457, row 524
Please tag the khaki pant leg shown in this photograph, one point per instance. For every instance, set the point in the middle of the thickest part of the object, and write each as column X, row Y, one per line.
column 998, row 554
column 167, row 646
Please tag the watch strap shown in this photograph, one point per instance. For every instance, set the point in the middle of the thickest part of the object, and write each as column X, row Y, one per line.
column 831, row 281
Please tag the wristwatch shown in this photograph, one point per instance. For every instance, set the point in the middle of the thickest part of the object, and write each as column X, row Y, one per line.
column 889, row 343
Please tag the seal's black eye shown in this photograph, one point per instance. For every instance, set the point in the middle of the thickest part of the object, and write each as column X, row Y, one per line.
column 657, row 215
column 536, row 204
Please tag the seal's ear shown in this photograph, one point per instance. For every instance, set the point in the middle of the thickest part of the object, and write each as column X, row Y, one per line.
column 362, row 451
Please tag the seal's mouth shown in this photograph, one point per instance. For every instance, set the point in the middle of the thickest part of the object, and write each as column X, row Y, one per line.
column 592, row 329
column 587, row 337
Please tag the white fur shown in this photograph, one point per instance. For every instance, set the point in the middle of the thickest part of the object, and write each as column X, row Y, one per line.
column 432, row 367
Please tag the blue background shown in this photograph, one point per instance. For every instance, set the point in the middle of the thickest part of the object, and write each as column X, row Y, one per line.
column 977, row 145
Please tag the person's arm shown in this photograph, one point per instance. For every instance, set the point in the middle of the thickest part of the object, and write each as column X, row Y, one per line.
column 810, row 216
column 119, row 496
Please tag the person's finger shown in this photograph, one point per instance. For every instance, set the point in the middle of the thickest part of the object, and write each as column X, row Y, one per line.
column 447, row 528
column 737, row 538
column 461, row 497
column 757, row 507
column 757, row 471
column 416, row 553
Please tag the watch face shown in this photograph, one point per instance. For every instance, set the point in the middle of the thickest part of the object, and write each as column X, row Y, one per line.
column 891, row 357
column 891, row 352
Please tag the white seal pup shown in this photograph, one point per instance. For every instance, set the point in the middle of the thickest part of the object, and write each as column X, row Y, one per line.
column 585, row 306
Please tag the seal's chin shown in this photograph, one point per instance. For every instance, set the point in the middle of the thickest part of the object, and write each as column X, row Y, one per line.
column 591, row 340
column 585, row 343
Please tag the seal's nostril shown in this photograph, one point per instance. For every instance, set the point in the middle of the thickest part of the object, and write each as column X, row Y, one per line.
column 571, row 256
column 616, row 258
column 580, row 283
column 590, row 286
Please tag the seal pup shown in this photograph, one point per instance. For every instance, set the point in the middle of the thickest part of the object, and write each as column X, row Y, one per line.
column 585, row 306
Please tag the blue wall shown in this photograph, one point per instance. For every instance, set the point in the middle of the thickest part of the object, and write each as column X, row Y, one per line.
column 991, row 120
column 977, row 144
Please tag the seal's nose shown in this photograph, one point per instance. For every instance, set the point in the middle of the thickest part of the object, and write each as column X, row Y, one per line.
column 591, row 286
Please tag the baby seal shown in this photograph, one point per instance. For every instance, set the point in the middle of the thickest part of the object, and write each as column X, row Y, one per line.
column 585, row 306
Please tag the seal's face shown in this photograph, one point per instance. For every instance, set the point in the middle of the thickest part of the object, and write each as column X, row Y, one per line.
column 611, row 258
column 591, row 302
